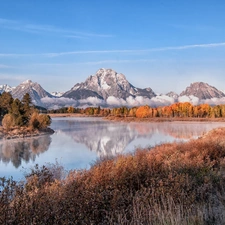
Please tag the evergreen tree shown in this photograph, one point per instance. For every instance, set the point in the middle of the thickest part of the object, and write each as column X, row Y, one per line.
column 6, row 101
column 27, row 103
column 18, row 113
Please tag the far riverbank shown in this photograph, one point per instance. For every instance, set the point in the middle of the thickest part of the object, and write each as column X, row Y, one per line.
column 135, row 119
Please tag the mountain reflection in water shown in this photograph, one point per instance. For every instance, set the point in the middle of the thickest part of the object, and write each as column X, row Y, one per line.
column 78, row 142
column 108, row 138
column 19, row 150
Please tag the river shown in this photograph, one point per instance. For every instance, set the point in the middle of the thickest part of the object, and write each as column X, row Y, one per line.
column 79, row 142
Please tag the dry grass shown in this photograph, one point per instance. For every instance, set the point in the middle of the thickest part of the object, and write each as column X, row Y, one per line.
column 178, row 183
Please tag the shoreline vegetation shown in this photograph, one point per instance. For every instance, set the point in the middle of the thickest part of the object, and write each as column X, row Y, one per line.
column 172, row 183
column 135, row 119
column 177, row 111
column 19, row 119
column 23, row 132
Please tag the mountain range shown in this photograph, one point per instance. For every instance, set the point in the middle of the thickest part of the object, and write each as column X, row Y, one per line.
column 105, row 84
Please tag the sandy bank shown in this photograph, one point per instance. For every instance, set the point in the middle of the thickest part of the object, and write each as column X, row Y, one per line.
column 23, row 132
column 53, row 115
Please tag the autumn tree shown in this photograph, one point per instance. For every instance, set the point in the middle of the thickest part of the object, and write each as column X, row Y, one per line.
column 71, row 109
column 216, row 110
column 222, row 110
column 97, row 111
column 39, row 121
column 8, row 121
column 204, row 110
column 143, row 112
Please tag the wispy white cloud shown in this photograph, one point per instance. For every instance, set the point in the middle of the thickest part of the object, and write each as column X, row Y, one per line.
column 183, row 47
column 46, row 29
column 131, row 51
column 95, row 62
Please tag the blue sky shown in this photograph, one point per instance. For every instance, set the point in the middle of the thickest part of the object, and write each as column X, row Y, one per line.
column 164, row 45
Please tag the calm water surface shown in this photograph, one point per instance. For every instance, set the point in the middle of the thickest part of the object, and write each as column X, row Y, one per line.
column 78, row 142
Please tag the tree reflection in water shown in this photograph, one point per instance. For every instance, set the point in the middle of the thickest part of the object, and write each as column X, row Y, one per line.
column 19, row 150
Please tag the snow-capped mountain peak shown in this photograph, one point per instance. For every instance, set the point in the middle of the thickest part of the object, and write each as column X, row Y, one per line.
column 33, row 89
column 27, row 82
column 5, row 88
column 202, row 91
column 105, row 83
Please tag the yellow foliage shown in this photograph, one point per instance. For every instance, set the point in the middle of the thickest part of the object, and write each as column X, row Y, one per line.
column 143, row 112
column 8, row 121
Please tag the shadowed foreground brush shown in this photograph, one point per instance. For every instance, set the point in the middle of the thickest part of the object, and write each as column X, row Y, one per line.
column 175, row 183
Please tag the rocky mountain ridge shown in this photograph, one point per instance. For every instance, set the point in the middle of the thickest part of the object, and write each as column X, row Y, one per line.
column 5, row 88
column 105, row 83
column 34, row 89
column 202, row 91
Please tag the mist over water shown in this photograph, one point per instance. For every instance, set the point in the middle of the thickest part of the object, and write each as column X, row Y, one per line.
column 78, row 142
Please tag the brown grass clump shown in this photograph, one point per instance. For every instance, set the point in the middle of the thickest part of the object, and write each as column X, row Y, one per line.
column 178, row 183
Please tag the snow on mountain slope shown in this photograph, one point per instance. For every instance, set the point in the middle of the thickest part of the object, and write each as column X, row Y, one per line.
column 57, row 93
column 34, row 89
column 105, row 83
column 202, row 91
column 5, row 88
column 172, row 95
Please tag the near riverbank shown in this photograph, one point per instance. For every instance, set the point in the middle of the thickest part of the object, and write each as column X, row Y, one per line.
column 22, row 132
column 172, row 183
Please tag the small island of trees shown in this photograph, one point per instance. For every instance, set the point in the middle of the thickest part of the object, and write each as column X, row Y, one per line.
column 21, row 117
